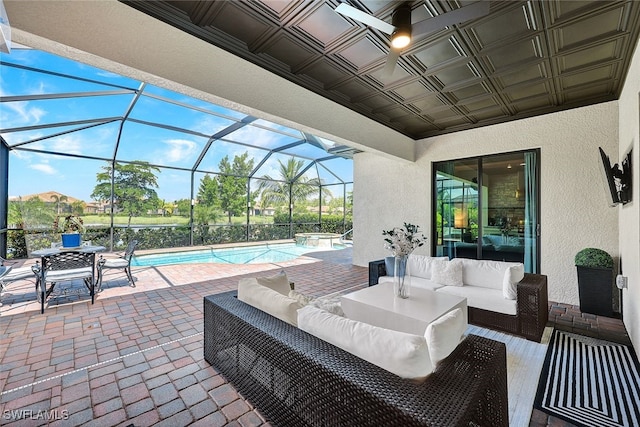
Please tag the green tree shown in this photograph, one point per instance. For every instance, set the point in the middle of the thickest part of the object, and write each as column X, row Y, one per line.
column 275, row 191
column 58, row 200
column 77, row 207
column 208, row 191
column 184, row 207
column 31, row 214
column 232, row 183
column 134, row 187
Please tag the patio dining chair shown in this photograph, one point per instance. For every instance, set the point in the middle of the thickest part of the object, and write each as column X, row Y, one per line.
column 16, row 274
column 122, row 262
column 64, row 267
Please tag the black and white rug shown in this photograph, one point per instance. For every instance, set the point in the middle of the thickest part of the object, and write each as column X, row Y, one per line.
column 589, row 382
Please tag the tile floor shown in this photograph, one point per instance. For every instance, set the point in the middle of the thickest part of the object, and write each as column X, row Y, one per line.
column 135, row 356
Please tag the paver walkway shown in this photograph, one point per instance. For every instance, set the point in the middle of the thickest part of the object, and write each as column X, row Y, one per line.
column 135, row 356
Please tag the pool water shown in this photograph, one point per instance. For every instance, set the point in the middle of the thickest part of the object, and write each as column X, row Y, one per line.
column 240, row 255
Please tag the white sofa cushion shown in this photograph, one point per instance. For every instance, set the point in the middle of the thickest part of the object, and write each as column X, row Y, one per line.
column 418, row 282
column 268, row 300
column 513, row 275
column 278, row 282
column 447, row 273
column 444, row 334
column 484, row 298
column 403, row 354
column 422, row 265
column 485, row 273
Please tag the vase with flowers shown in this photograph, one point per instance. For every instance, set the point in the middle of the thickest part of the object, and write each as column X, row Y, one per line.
column 402, row 241
column 70, row 226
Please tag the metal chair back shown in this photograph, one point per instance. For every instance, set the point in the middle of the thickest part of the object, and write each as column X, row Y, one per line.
column 131, row 247
column 68, row 261
column 64, row 267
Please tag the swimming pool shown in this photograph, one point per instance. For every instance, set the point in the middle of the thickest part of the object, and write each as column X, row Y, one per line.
column 256, row 254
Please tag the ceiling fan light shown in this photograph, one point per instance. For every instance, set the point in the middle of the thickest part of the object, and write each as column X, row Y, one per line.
column 401, row 20
column 400, row 39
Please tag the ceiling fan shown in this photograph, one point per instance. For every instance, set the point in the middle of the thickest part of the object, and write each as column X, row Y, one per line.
column 402, row 30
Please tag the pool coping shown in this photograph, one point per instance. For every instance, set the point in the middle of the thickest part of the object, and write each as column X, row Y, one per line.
column 211, row 247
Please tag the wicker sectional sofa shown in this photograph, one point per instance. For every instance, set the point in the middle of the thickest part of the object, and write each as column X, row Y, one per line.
column 296, row 379
column 530, row 310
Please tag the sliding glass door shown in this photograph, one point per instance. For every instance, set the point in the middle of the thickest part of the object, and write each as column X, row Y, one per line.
column 488, row 208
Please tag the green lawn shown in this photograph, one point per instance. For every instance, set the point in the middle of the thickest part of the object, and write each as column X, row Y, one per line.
column 166, row 220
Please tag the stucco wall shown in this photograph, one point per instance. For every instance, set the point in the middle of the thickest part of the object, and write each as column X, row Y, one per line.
column 630, row 213
column 574, row 211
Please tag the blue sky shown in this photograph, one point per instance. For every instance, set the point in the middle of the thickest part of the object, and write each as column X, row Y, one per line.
column 106, row 96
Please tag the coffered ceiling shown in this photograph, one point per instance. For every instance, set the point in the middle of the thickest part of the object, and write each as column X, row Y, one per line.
column 524, row 58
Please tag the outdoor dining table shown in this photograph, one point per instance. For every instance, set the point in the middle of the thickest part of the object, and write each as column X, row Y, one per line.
column 53, row 268
column 58, row 249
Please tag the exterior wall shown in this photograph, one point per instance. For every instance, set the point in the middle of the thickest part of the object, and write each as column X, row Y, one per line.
column 574, row 210
column 629, row 214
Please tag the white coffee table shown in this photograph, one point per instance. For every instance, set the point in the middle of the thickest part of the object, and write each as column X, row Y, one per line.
column 378, row 306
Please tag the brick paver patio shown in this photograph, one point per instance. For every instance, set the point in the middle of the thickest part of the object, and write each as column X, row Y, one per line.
column 135, row 356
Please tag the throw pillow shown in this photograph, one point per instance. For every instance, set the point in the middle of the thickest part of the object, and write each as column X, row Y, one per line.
column 268, row 300
column 444, row 334
column 278, row 282
column 447, row 273
column 389, row 265
column 332, row 305
column 301, row 298
column 403, row 354
column 512, row 276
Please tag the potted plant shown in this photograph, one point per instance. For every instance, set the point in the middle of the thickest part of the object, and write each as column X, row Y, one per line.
column 595, row 281
column 70, row 226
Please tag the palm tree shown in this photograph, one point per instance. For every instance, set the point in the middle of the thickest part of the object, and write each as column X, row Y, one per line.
column 276, row 191
column 58, row 199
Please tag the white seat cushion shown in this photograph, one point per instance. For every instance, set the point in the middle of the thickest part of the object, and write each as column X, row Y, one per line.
column 115, row 263
column 444, row 334
column 70, row 274
column 403, row 354
column 18, row 274
column 268, row 300
column 418, row 282
column 484, row 298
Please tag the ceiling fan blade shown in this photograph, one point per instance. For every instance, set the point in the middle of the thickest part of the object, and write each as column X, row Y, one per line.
column 437, row 23
column 365, row 18
column 390, row 66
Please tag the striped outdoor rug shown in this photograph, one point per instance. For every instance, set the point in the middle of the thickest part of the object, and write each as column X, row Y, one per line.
column 589, row 382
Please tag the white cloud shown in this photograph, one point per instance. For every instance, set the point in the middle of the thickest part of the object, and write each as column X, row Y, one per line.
column 44, row 168
column 22, row 115
column 258, row 137
column 210, row 125
column 179, row 150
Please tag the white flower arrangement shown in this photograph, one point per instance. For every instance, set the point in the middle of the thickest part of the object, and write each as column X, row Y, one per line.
column 403, row 240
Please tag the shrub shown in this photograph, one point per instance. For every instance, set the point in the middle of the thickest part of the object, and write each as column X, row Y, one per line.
column 594, row 258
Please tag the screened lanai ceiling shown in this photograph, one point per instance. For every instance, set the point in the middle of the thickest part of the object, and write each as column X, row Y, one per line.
column 523, row 58
column 53, row 105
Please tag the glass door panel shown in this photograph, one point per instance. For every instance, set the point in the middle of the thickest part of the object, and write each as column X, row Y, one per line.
column 456, row 207
column 504, row 208
column 487, row 208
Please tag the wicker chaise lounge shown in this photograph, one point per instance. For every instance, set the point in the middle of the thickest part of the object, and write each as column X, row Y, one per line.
column 296, row 379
